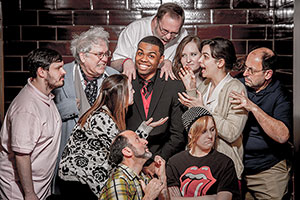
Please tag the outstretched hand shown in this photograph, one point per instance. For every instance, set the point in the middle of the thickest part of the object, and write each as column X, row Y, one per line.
column 160, row 122
column 241, row 100
column 189, row 101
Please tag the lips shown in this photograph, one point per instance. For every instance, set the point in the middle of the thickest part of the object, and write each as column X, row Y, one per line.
column 196, row 181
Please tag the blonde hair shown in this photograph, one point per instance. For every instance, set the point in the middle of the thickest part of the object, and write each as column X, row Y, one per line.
column 198, row 127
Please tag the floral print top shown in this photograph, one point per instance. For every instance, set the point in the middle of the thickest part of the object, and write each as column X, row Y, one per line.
column 86, row 154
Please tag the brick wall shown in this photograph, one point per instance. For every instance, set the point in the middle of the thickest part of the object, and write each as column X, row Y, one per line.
column 29, row 24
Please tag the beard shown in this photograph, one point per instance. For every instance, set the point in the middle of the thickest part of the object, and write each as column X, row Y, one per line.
column 145, row 155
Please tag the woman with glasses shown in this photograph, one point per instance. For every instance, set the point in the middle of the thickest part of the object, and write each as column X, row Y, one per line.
column 84, row 167
column 216, row 61
column 187, row 56
column 82, row 82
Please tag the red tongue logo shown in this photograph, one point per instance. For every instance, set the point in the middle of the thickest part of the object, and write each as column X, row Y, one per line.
column 196, row 181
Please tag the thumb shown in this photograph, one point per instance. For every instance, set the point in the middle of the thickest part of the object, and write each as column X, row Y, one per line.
column 143, row 185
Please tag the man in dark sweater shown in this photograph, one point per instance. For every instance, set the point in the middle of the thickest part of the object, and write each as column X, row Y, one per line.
column 268, row 128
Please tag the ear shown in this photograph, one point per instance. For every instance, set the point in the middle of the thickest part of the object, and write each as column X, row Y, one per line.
column 162, row 58
column 221, row 63
column 268, row 74
column 82, row 57
column 127, row 152
column 41, row 72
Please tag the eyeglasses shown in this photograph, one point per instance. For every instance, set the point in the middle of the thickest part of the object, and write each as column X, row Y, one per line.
column 251, row 71
column 166, row 32
column 100, row 55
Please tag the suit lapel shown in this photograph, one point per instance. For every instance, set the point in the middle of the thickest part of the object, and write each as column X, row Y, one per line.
column 138, row 102
column 157, row 92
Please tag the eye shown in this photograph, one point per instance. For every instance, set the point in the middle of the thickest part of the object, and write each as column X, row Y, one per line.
column 140, row 53
column 193, row 54
column 183, row 55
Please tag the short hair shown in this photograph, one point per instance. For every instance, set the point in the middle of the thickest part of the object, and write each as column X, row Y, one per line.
column 222, row 48
column 119, row 143
column 83, row 43
column 155, row 41
column 173, row 9
column 41, row 57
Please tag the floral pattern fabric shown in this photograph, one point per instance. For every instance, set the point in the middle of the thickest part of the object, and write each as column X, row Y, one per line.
column 86, row 155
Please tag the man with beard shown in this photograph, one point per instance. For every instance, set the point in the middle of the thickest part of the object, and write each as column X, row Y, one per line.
column 130, row 153
column 166, row 25
column 268, row 128
column 30, row 134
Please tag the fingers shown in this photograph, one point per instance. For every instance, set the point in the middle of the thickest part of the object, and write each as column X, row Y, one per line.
column 143, row 185
column 149, row 121
column 162, row 72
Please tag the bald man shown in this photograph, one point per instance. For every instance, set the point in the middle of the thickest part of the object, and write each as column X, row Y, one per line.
column 268, row 127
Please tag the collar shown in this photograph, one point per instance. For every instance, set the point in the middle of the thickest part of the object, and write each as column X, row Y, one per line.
column 130, row 173
column 141, row 80
column 77, row 67
column 46, row 99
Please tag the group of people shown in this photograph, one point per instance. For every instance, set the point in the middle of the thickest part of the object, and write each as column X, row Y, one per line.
column 167, row 120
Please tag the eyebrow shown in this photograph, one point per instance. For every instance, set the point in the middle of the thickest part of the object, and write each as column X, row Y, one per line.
column 154, row 52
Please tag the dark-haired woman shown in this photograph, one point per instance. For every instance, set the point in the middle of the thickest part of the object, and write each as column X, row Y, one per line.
column 85, row 157
column 216, row 61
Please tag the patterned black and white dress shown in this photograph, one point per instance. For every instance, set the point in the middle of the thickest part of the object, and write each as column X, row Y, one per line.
column 86, row 155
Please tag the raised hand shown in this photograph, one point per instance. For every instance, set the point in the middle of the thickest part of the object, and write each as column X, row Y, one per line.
column 188, row 78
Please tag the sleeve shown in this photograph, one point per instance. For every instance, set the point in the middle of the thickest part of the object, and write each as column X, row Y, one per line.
column 126, row 46
column 178, row 137
column 228, row 179
column 144, row 130
column 116, row 189
column 67, row 106
column 230, row 124
column 26, row 130
column 283, row 111
column 172, row 174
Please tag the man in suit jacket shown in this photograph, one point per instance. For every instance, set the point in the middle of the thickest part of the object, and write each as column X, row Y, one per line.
column 154, row 97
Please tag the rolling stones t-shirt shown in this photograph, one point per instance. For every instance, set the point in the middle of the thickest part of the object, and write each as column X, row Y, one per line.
column 199, row 176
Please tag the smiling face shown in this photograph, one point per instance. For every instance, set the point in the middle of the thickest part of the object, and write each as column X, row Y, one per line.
column 92, row 65
column 147, row 60
column 208, row 64
column 190, row 56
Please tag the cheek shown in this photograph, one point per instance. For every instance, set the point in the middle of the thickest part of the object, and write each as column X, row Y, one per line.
column 182, row 60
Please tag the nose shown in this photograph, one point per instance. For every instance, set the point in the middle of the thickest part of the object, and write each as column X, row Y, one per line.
column 188, row 59
column 145, row 142
column 168, row 36
column 63, row 71
column 246, row 73
column 200, row 59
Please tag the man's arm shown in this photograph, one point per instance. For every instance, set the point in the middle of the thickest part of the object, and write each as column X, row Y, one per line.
column 274, row 128
column 23, row 164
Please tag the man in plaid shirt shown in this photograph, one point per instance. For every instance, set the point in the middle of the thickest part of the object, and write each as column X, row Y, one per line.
column 130, row 152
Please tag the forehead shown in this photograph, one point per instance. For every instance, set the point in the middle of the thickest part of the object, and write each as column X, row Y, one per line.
column 206, row 49
column 146, row 47
column 101, row 44
column 56, row 64
column 190, row 46
column 170, row 23
column 130, row 135
column 254, row 60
